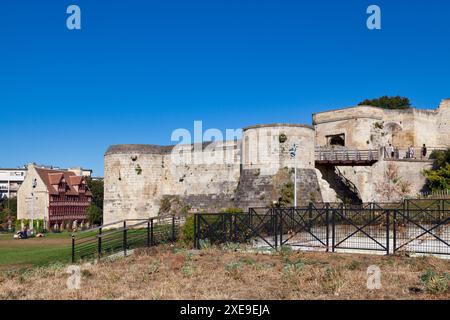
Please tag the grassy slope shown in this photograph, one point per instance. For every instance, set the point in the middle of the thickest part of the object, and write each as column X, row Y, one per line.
column 35, row 251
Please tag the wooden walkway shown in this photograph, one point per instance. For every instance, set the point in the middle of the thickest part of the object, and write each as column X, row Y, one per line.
column 346, row 157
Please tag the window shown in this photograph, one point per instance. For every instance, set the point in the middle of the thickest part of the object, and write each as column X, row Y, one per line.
column 336, row 140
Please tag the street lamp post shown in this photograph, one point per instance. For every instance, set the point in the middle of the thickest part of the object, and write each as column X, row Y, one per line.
column 293, row 153
column 32, row 205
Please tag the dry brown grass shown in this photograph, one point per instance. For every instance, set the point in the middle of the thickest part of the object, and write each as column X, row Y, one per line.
column 169, row 273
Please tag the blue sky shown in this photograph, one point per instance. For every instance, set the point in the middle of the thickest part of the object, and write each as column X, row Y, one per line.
column 140, row 69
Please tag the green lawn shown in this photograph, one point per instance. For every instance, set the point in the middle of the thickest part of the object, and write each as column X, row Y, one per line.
column 14, row 253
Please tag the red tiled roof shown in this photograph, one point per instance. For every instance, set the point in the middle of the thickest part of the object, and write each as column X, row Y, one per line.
column 52, row 178
column 55, row 178
column 75, row 180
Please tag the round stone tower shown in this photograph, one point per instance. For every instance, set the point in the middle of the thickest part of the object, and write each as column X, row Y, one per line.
column 266, row 147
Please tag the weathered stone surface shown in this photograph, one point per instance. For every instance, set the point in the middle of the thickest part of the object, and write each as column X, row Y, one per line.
column 213, row 176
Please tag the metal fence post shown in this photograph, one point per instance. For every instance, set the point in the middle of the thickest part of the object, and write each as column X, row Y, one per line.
column 333, row 230
column 231, row 227
column 395, row 232
column 199, row 231
column 152, row 238
column 99, row 245
column 148, row 233
column 274, row 227
column 195, row 231
column 73, row 248
column 388, row 213
column 125, row 237
column 173, row 229
column 406, row 209
column 280, row 223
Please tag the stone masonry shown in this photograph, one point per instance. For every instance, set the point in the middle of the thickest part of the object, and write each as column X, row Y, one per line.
column 219, row 175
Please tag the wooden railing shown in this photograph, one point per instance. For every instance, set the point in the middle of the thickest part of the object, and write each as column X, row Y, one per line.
column 332, row 154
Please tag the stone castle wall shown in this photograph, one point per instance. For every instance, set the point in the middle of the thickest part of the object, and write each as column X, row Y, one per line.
column 371, row 181
column 367, row 127
column 208, row 177
column 213, row 176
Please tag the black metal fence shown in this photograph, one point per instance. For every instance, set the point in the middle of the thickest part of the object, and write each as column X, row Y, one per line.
column 415, row 227
column 122, row 236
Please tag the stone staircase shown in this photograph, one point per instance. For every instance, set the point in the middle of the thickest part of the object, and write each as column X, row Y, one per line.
column 345, row 190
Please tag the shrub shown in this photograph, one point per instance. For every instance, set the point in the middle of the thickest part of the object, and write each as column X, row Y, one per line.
column 187, row 230
column 234, row 269
column 332, row 280
column 154, row 267
column 434, row 282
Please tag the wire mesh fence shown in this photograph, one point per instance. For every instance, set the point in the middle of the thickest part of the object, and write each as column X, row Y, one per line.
column 377, row 227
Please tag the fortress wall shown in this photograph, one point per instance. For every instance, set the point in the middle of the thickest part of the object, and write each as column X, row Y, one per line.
column 348, row 113
column 370, row 127
column 241, row 173
column 263, row 150
column 425, row 124
column 370, row 181
column 357, row 132
column 197, row 177
column 213, row 175
column 443, row 124
column 128, row 193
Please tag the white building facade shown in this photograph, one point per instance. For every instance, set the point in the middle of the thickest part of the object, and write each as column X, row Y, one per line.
column 10, row 181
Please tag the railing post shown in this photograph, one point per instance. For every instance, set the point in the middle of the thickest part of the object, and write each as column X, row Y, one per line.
column 195, row 231
column 231, row 228
column 148, row 234
column 152, row 238
column 407, row 210
column 224, row 231
column 73, row 248
column 124, row 237
column 198, row 231
column 274, row 225
column 333, row 230
column 388, row 213
column 394, row 244
column 99, row 245
column 173, row 228
column 280, row 223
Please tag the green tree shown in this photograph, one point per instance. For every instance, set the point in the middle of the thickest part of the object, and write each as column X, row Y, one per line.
column 95, row 210
column 8, row 209
column 441, row 157
column 94, row 214
column 97, row 189
column 439, row 177
column 386, row 102
column 8, row 212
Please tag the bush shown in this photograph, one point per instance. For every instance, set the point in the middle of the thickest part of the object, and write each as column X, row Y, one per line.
column 434, row 282
column 386, row 102
column 187, row 231
column 94, row 214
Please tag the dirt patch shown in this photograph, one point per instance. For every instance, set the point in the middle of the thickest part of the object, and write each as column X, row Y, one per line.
column 174, row 273
column 38, row 242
